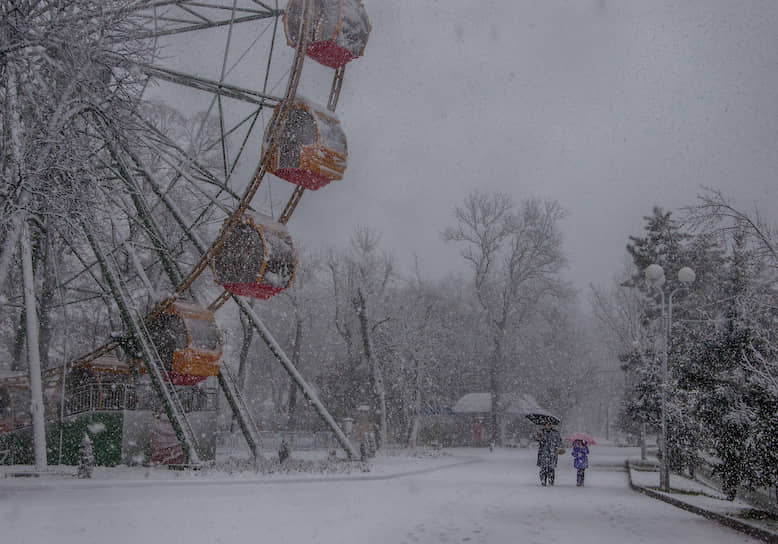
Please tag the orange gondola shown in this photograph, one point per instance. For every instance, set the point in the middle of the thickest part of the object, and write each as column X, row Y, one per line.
column 188, row 342
column 311, row 150
column 257, row 258
column 338, row 31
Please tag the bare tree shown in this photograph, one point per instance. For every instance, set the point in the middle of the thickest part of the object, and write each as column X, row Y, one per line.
column 360, row 279
column 417, row 324
column 620, row 310
column 516, row 255
column 66, row 82
column 302, row 299
column 716, row 213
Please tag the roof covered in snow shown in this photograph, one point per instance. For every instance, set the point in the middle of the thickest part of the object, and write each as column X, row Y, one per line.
column 515, row 404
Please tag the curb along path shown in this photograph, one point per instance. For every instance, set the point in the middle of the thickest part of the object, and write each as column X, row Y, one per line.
column 729, row 521
column 57, row 480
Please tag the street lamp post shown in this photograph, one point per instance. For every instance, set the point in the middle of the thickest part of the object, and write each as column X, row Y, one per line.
column 655, row 275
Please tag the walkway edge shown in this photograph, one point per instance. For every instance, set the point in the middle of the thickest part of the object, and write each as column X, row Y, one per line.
column 732, row 523
column 96, row 483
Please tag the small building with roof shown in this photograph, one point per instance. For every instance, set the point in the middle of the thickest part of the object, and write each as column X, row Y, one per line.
column 515, row 428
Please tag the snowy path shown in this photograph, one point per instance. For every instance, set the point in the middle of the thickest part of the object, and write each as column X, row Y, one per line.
column 494, row 501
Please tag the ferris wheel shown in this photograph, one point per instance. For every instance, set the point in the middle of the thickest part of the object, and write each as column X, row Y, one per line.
column 189, row 210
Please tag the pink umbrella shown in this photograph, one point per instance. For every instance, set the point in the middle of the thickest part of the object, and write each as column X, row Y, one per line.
column 589, row 439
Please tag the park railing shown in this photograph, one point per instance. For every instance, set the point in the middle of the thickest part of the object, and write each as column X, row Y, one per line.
column 118, row 396
column 90, row 398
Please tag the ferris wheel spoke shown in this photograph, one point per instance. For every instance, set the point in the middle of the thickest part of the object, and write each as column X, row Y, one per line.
column 187, row 227
column 88, row 267
column 169, row 18
column 143, row 214
column 218, row 96
column 209, row 85
column 161, row 138
column 174, row 157
column 225, row 155
column 225, row 71
column 253, row 121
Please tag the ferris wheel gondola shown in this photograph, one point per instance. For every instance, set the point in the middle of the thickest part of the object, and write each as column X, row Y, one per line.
column 188, row 342
column 339, row 33
column 311, row 149
column 257, row 259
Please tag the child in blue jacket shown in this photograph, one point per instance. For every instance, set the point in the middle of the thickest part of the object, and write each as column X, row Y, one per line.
column 580, row 460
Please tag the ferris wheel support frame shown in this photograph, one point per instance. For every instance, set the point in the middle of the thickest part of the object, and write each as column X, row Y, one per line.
column 207, row 254
column 141, row 207
column 142, row 343
column 308, row 391
column 134, row 322
column 227, row 383
column 264, row 333
column 209, row 85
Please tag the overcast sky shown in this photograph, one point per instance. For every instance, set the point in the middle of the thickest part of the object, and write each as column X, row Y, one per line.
column 608, row 106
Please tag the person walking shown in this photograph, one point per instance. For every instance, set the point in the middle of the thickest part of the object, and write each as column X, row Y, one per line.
column 549, row 446
column 580, row 460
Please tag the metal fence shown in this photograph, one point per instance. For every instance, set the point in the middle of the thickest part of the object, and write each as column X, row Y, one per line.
column 91, row 397
column 118, row 396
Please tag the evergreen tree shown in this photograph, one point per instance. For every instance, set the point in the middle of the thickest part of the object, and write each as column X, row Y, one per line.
column 86, row 458
column 663, row 244
column 667, row 244
column 641, row 397
column 735, row 404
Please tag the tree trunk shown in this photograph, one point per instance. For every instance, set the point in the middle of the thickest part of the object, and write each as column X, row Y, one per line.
column 495, row 430
column 19, row 339
column 33, row 355
column 9, row 250
column 415, row 426
column 375, row 366
column 15, row 231
column 493, row 388
column 292, row 401
column 48, row 290
column 17, row 173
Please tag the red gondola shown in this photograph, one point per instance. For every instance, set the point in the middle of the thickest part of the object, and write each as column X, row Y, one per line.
column 311, row 150
column 338, row 32
column 257, row 259
column 188, row 342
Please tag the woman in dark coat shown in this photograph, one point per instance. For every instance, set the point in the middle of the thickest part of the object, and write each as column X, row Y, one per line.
column 549, row 443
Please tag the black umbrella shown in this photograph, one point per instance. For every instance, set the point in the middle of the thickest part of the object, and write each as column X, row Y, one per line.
column 541, row 418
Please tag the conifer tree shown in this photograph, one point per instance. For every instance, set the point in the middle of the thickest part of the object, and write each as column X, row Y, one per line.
column 86, row 458
column 734, row 405
column 667, row 244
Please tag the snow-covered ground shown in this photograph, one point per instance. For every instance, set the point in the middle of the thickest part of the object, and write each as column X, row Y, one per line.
column 476, row 496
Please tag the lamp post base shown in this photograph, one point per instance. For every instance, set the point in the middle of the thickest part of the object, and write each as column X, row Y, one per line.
column 664, row 478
